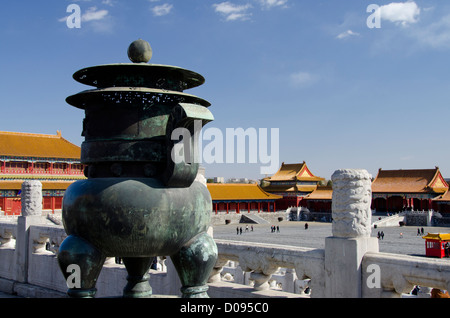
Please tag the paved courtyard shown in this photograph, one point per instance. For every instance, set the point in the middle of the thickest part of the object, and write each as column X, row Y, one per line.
column 294, row 233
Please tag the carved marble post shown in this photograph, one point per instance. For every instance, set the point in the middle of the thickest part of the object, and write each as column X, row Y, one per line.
column 351, row 230
column 31, row 197
column 352, row 196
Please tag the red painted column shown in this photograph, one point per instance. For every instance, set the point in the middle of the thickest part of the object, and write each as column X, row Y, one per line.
column 227, row 208
column 387, row 205
column 259, row 207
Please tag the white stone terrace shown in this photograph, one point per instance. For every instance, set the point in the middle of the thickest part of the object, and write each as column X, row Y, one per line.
column 349, row 265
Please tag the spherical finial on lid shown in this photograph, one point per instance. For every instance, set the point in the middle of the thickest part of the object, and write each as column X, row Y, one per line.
column 140, row 51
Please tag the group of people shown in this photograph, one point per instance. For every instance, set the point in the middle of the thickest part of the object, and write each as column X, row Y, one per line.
column 239, row 229
column 380, row 235
column 273, row 229
column 419, row 231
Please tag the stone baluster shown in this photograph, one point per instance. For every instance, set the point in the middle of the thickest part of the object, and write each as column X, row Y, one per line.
column 7, row 239
column 260, row 270
column 351, row 229
column 39, row 243
column 217, row 270
column 31, row 197
column 289, row 278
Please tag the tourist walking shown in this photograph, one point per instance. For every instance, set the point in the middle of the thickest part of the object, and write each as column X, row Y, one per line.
column 306, row 226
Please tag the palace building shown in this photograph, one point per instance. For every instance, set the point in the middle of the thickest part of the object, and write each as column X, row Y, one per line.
column 399, row 190
column 319, row 200
column 442, row 203
column 293, row 182
column 239, row 197
column 50, row 159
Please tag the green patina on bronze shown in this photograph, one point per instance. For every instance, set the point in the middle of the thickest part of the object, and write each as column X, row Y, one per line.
column 137, row 203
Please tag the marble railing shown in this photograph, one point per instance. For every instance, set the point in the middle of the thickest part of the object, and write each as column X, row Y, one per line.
column 350, row 265
column 255, row 265
column 262, row 261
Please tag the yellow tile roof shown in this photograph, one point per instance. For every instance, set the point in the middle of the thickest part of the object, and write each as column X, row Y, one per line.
column 292, row 172
column 321, row 193
column 437, row 236
column 239, row 191
column 16, row 144
column 412, row 181
column 443, row 197
column 46, row 185
column 290, row 188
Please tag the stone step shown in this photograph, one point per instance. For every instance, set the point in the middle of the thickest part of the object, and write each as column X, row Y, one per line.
column 253, row 218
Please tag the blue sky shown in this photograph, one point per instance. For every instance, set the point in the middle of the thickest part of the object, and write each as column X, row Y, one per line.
column 342, row 95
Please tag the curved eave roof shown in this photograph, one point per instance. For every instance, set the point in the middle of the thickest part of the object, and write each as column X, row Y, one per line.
column 409, row 181
column 239, row 192
column 294, row 172
column 14, row 144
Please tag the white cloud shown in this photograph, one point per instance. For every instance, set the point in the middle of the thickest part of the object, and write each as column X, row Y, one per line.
column 162, row 9
column 108, row 2
column 303, row 79
column 403, row 13
column 273, row 3
column 435, row 35
column 347, row 34
column 232, row 11
column 431, row 32
column 92, row 14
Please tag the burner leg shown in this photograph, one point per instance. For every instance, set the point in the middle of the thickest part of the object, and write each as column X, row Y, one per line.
column 138, row 285
column 81, row 264
column 194, row 264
